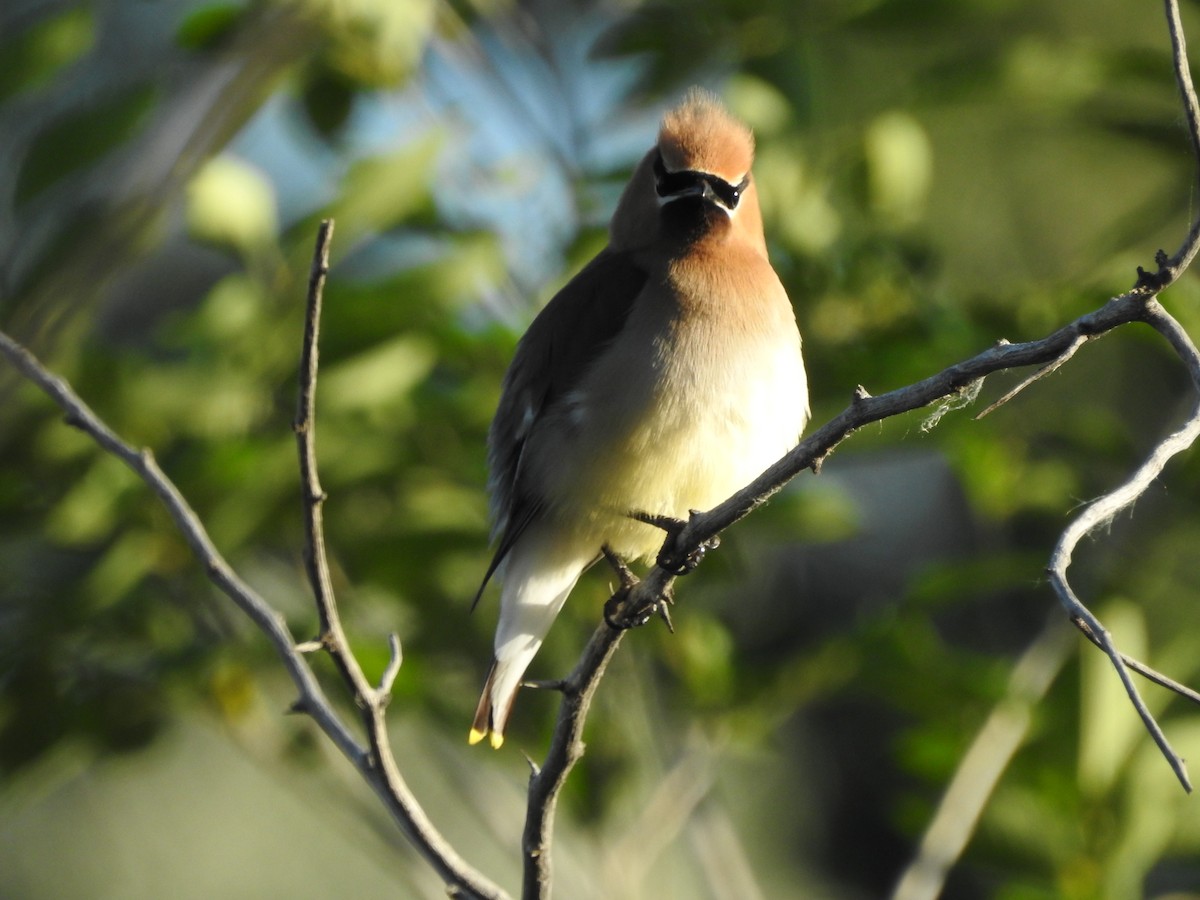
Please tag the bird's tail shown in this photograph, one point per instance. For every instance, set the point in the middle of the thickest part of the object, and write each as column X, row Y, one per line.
column 495, row 704
column 537, row 580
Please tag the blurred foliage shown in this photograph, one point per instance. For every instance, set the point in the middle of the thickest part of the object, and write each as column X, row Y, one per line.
column 935, row 176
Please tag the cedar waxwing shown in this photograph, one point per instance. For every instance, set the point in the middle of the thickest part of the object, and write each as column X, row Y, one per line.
column 665, row 376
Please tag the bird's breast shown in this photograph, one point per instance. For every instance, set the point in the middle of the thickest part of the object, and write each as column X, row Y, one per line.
column 701, row 391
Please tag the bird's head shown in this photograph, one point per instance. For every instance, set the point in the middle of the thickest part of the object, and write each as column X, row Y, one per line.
column 695, row 178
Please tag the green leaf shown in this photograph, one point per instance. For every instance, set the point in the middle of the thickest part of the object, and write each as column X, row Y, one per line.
column 231, row 203
column 383, row 374
column 81, row 138
column 382, row 191
column 328, row 98
column 209, row 26
column 34, row 57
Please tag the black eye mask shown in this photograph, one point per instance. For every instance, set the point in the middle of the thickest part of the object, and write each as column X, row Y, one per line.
column 671, row 183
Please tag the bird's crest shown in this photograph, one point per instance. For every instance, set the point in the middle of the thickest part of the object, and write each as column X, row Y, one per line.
column 699, row 134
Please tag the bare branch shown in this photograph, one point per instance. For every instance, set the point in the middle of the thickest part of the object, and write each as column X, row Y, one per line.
column 1048, row 369
column 332, row 637
column 1136, row 304
column 388, row 678
column 386, row 777
column 866, row 409
column 305, row 428
column 1144, row 670
column 566, row 749
column 374, row 763
column 1191, row 110
column 1101, row 511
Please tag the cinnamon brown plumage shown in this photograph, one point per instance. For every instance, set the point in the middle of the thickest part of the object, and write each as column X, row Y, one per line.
column 663, row 377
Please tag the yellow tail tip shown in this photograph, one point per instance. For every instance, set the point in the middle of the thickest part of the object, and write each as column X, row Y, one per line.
column 475, row 736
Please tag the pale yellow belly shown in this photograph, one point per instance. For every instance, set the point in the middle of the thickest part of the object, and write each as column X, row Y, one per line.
column 688, row 449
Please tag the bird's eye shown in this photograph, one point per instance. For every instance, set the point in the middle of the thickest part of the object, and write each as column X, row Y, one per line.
column 729, row 194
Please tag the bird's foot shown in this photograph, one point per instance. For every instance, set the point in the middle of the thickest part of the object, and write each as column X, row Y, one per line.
column 668, row 559
column 619, row 612
column 620, row 567
column 621, row 615
column 616, row 612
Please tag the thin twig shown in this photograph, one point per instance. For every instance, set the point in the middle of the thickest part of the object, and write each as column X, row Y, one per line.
column 1144, row 670
column 395, row 660
column 1170, row 269
column 331, row 637
column 1183, row 78
column 375, row 763
column 372, row 702
column 566, row 748
column 1101, row 511
column 1048, row 369
column 304, row 426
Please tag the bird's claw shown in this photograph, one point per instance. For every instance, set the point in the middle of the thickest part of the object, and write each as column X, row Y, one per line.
column 618, row 618
column 663, row 608
column 619, row 614
column 624, row 573
column 688, row 564
column 669, row 524
column 669, row 560
column 615, row 613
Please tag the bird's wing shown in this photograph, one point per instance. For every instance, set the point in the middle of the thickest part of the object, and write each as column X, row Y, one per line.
column 561, row 343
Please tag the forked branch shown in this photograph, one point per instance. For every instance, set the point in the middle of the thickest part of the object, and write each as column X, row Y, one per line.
column 374, row 761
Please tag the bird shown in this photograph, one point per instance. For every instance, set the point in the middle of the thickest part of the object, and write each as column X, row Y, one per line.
column 663, row 377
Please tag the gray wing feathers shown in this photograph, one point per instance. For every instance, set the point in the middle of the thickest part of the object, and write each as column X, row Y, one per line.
column 562, row 342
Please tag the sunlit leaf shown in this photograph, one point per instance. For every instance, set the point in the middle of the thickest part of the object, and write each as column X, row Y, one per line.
column 899, row 167
column 89, row 510
column 230, row 203
column 375, row 44
column 382, row 191
column 383, row 375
